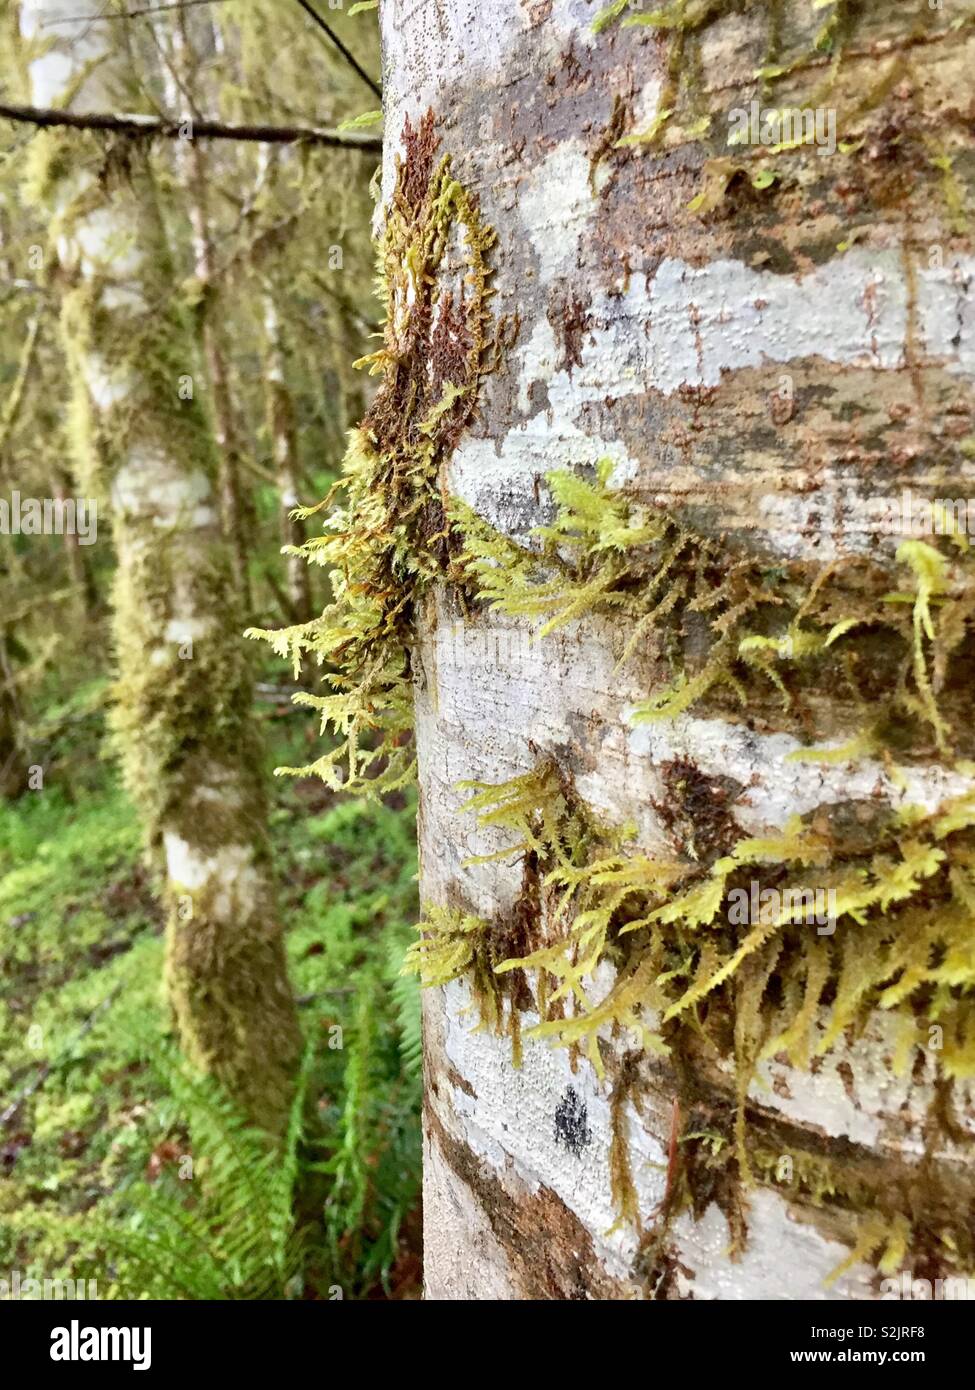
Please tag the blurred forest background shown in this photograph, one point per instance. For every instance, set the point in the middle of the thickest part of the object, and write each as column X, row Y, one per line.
column 118, row 1161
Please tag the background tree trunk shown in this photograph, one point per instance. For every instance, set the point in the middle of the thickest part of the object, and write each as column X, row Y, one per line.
column 13, row 755
column 760, row 363
column 236, row 511
column 192, row 758
column 283, row 438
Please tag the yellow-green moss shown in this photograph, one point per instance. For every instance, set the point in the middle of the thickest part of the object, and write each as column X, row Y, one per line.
column 390, row 540
column 786, row 626
column 903, row 892
column 904, row 921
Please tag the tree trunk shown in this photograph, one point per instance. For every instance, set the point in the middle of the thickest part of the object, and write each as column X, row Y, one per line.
column 80, row 572
column 13, row 754
column 236, row 510
column 763, row 339
column 191, row 755
column 284, row 452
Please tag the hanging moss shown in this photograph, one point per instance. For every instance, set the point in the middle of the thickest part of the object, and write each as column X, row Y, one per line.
column 453, row 945
column 900, row 884
column 904, row 918
column 388, row 540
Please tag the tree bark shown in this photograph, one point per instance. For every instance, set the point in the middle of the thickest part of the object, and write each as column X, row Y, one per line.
column 79, row 570
column 13, row 755
column 761, row 342
column 284, row 452
column 236, row 508
column 191, row 755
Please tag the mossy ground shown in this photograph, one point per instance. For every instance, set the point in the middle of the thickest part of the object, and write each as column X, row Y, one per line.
column 79, row 926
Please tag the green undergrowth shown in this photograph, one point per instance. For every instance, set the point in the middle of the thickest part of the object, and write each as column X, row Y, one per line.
column 124, row 1167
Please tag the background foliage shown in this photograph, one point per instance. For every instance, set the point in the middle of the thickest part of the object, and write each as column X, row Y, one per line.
column 117, row 1163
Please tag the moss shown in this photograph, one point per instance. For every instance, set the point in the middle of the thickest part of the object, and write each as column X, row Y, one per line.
column 903, row 910
column 390, row 541
column 453, row 945
column 230, row 996
column 790, row 627
column 901, row 881
column 730, row 623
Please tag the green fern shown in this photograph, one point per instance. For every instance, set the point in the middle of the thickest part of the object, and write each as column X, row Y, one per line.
column 372, row 1138
column 405, row 991
column 226, row 1232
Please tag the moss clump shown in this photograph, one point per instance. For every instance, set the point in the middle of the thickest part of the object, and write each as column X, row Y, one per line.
column 390, row 541
column 789, row 627
column 901, row 921
column 453, row 945
column 899, row 939
column 686, row 971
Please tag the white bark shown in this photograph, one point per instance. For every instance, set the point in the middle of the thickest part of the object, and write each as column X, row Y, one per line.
column 681, row 339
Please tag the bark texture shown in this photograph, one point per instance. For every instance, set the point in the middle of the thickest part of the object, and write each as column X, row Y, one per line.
column 760, row 357
column 283, row 436
column 183, row 712
column 236, row 517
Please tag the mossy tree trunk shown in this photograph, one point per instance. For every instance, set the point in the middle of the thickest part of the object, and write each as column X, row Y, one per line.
column 79, row 570
column 13, row 779
column 192, row 759
column 762, row 342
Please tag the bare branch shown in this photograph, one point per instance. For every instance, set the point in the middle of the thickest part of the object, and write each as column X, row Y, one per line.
column 349, row 57
column 127, row 14
column 148, row 127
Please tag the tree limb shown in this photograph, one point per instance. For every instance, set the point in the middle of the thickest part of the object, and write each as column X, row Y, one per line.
column 146, row 127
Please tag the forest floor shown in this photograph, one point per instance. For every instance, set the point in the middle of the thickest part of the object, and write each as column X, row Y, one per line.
column 83, row 1024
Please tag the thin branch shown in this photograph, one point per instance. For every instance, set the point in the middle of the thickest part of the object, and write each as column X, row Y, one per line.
column 126, row 14
column 146, row 127
column 349, row 57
